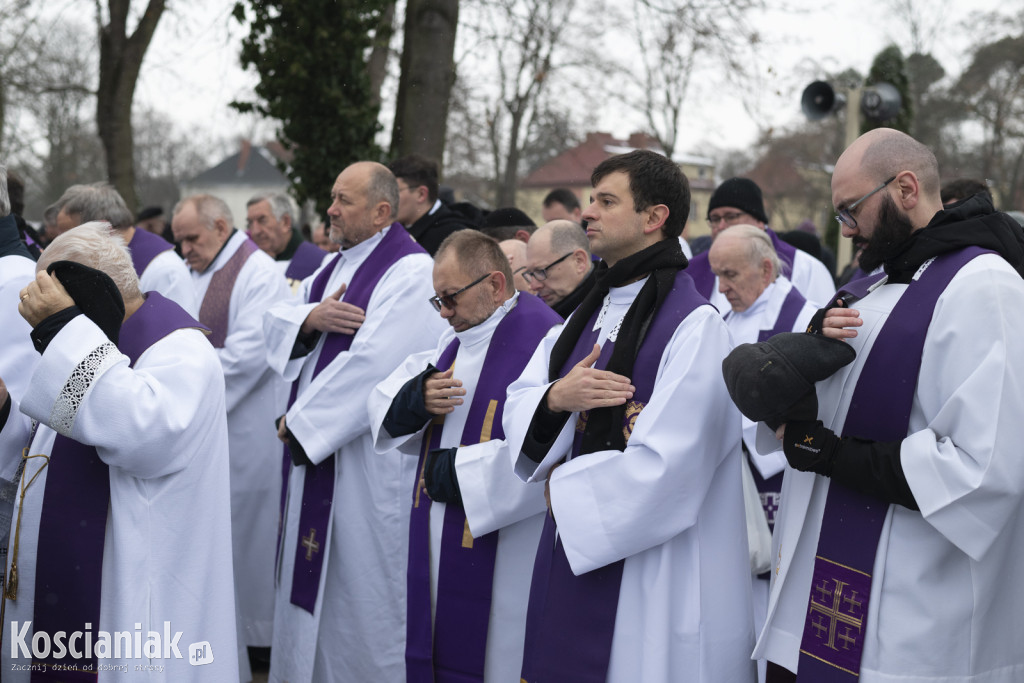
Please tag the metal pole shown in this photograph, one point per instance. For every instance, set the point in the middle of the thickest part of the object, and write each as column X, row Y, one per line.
column 844, row 247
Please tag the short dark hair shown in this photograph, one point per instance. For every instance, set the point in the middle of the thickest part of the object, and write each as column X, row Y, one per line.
column 477, row 254
column 417, row 170
column 962, row 188
column 653, row 179
column 563, row 196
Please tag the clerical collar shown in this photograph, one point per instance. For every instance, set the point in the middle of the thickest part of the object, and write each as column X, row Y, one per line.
column 483, row 331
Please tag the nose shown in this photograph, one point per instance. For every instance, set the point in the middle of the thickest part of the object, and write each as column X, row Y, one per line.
column 847, row 231
column 534, row 284
column 332, row 210
column 589, row 214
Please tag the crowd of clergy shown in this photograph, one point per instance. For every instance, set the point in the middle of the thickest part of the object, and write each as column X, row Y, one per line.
column 457, row 449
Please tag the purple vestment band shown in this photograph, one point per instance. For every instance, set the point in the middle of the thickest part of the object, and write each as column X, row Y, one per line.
column 74, row 514
column 791, row 307
column 217, row 303
column 306, row 259
column 144, row 247
column 318, row 485
column 570, row 619
column 836, row 622
column 466, row 572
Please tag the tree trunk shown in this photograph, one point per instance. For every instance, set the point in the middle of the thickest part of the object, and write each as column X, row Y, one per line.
column 428, row 73
column 510, row 180
column 120, row 62
column 377, row 65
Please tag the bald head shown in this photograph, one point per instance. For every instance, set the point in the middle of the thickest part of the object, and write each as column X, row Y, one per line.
column 364, row 201
column 558, row 257
column 743, row 258
column 515, row 251
column 881, row 154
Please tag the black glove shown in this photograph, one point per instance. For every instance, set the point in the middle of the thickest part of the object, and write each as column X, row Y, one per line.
column 869, row 467
column 94, row 293
column 439, row 476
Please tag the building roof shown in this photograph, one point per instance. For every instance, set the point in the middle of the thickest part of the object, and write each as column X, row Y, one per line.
column 251, row 165
column 573, row 167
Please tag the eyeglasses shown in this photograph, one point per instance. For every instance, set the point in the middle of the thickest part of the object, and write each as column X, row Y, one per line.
column 725, row 218
column 448, row 300
column 845, row 216
column 541, row 274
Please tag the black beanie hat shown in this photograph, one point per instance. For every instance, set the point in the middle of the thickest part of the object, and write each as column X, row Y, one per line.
column 742, row 194
column 510, row 216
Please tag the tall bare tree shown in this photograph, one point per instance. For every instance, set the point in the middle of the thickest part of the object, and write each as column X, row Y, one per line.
column 121, row 55
column 677, row 38
column 428, row 73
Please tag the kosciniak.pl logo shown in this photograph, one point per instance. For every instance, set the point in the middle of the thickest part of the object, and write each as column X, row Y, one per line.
column 86, row 644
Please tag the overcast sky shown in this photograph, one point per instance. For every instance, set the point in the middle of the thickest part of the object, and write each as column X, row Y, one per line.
column 192, row 70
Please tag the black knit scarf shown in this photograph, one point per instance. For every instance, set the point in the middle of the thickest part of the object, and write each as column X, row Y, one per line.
column 662, row 261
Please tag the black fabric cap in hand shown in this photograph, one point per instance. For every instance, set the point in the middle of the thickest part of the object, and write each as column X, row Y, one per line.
column 94, row 293
column 770, row 381
column 439, row 476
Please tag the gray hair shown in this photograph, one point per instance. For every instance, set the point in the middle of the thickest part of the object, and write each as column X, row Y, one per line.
column 383, row 187
column 477, row 254
column 97, row 245
column 759, row 246
column 210, row 209
column 96, row 202
column 567, row 236
column 5, row 199
column 280, row 204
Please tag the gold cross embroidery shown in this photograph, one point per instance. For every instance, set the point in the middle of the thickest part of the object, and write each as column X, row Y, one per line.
column 310, row 544
column 835, row 617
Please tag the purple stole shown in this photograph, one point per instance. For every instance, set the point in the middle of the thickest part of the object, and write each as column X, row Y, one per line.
column 216, row 304
column 570, row 619
column 833, row 638
column 769, row 489
column 318, row 486
column 144, row 247
column 74, row 514
column 700, row 268
column 457, row 651
column 306, row 259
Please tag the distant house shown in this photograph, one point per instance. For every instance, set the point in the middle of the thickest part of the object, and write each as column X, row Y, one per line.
column 572, row 168
column 237, row 178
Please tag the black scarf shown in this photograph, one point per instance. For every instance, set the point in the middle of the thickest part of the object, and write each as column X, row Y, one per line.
column 971, row 222
column 662, row 260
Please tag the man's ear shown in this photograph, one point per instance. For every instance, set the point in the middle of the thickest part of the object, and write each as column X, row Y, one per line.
column 382, row 214
column 656, row 217
column 908, row 190
column 422, row 195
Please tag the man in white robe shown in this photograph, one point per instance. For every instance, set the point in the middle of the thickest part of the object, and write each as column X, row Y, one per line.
column 651, row 504
column 151, row 413
column 157, row 265
column 237, row 283
column 18, row 358
column 762, row 304
column 340, row 614
column 471, row 474
column 947, row 542
column 739, row 200
column 270, row 222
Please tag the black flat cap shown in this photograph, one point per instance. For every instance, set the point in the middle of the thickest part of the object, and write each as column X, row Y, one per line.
column 773, row 381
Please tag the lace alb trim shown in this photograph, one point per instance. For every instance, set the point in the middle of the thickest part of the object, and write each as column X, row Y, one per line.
column 613, row 334
column 65, row 408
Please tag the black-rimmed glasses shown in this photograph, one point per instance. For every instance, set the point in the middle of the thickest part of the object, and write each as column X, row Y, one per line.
column 541, row 274
column 448, row 300
column 846, row 218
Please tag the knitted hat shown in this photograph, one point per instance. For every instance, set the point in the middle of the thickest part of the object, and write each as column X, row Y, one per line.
column 773, row 381
column 508, row 217
column 742, row 194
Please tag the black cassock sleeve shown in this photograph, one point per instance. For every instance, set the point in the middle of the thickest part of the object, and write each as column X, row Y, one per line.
column 543, row 431
column 408, row 411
